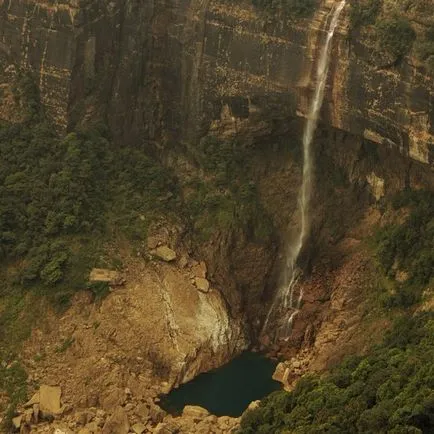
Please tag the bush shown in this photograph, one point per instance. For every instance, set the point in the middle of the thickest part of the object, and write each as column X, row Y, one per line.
column 395, row 36
column 229, row 198
column 363, row 13
column 56, row 193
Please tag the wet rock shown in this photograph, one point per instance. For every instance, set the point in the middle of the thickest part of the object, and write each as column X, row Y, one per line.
column 49, row 400
column 253, row 405
column 165, row 253
column 117, row 423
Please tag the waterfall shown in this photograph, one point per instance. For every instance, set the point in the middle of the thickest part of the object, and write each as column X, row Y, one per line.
column 284, row 297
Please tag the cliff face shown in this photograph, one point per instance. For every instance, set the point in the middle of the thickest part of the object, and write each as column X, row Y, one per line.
column 174, row 69
column 163, row 74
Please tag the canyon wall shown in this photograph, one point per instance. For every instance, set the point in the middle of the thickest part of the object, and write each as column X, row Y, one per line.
column 169, row 71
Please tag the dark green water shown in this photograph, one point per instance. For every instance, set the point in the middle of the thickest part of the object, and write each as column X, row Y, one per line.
column 227, row 391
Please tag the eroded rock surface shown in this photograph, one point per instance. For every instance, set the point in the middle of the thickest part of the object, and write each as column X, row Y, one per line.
column 170, row 71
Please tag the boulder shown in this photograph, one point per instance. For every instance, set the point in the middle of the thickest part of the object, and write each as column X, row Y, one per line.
column 112, row 277
column 279, row 372
column 138, row 428
column 93, row 427
column 156, row 413
column 195, row 412
column 199, row 270
column 142, row 411
column 253, row 405
column 117, row 423
column 16, row 421
column 165, row 253
column 49, row 400
column 112, row 398
column 201, row 284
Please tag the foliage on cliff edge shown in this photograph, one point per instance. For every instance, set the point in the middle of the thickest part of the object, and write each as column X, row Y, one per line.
column 390, row 390
column 397, row 29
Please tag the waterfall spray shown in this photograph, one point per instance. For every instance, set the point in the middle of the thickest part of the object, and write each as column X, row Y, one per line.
column 285, row 294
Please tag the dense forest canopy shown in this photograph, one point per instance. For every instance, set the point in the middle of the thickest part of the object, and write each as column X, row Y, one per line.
column 389, row 391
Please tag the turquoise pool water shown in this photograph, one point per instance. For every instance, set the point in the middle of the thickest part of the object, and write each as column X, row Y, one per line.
column 228, row 390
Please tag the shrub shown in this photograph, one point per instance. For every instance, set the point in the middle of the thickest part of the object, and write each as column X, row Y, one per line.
column 229, row 198
column 363, row 13
column 395, row 36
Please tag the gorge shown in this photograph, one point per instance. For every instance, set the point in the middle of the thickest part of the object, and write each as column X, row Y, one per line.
column 253, row 174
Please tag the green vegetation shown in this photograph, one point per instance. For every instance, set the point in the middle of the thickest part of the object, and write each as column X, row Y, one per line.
column 61, row 200
column 99, row 289
column 226, row 197
column 292, row 8
column 408, row 247
column 58, row 193
column 390, row 390
column 395, row 36
column 391, row 29
column 364, row 13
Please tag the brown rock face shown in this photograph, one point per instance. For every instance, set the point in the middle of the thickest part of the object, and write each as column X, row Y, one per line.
column 165, row 74
column 176, row 69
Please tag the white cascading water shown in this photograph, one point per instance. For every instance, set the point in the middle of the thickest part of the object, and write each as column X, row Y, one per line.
column 285, row 295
